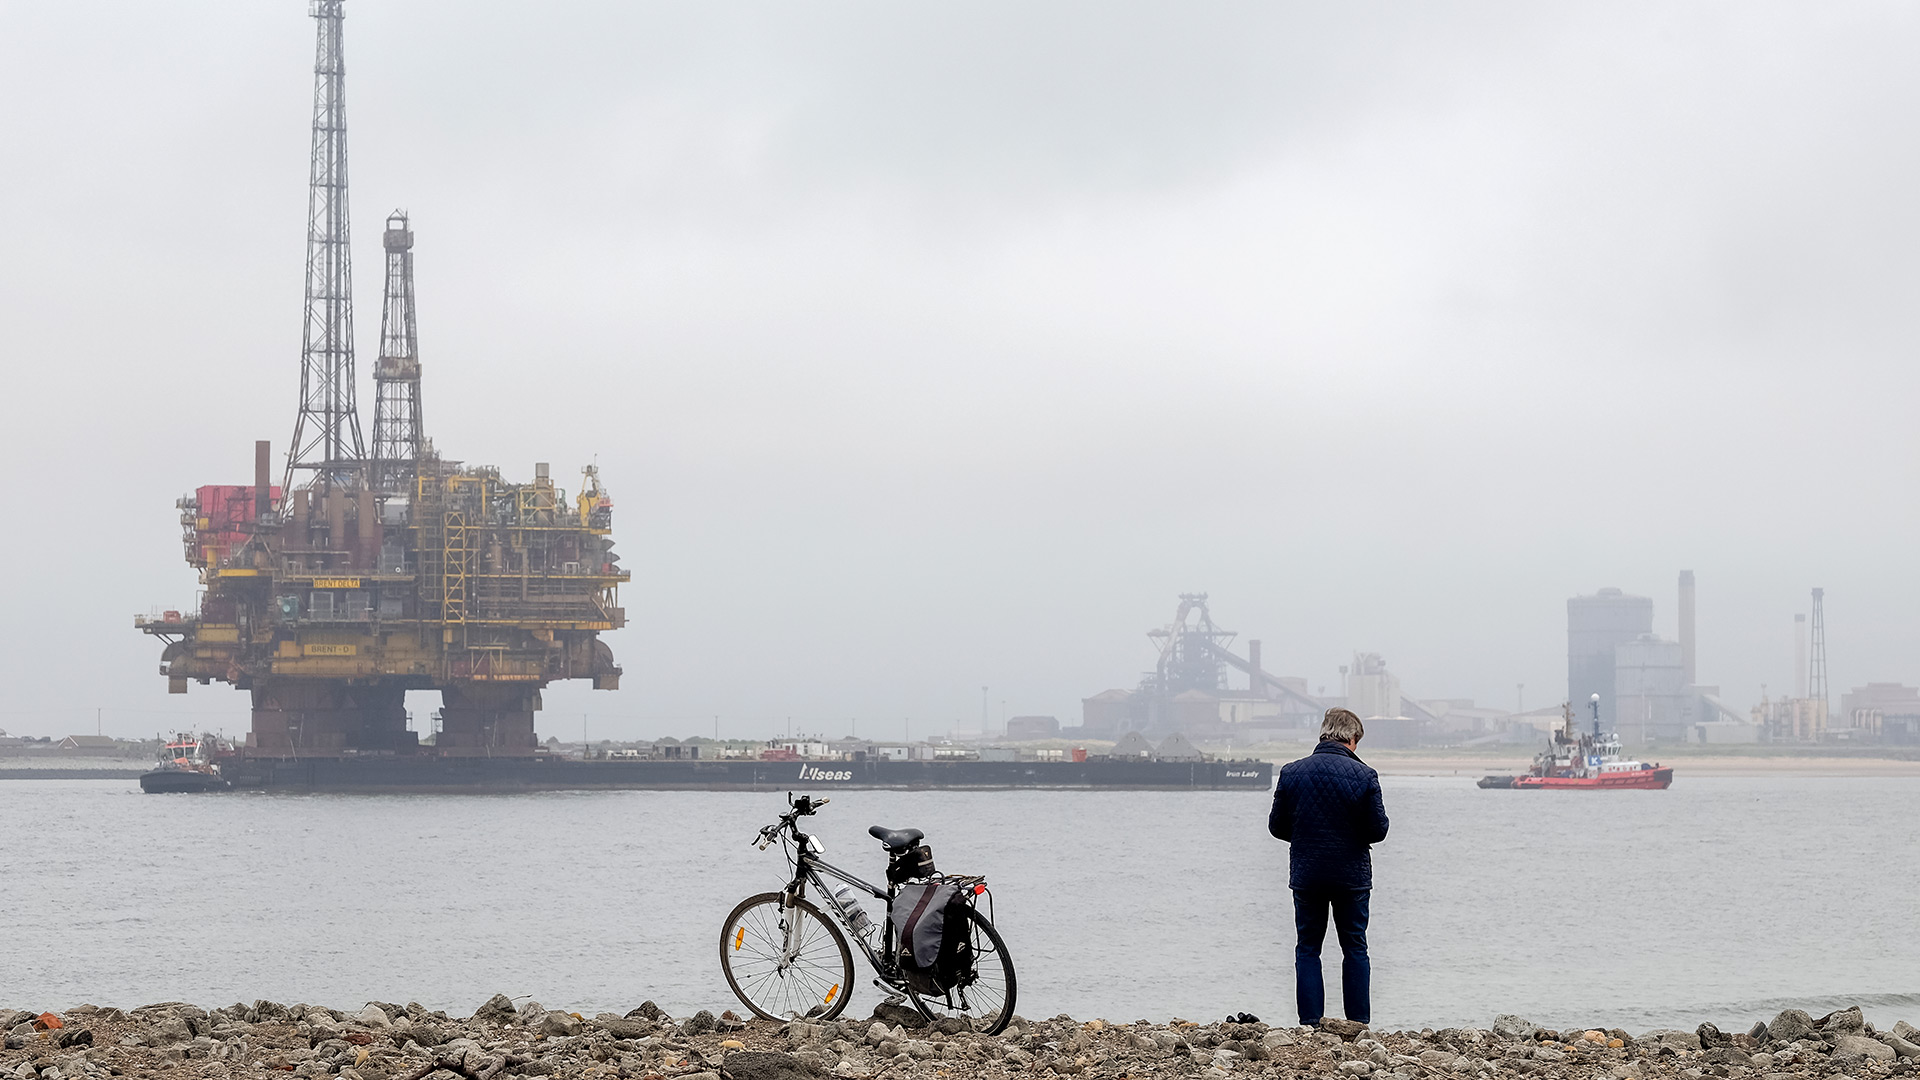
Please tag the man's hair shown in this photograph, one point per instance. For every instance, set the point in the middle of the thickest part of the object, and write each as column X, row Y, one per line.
column 1341, row 725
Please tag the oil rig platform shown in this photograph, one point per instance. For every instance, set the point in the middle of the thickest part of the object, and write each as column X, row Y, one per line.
column 369, row 572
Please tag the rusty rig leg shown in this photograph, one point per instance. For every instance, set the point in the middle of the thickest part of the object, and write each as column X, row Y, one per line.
column 325, row 718
column 487, row 719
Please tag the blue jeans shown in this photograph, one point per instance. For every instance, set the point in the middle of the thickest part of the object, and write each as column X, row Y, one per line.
column 1350, row 923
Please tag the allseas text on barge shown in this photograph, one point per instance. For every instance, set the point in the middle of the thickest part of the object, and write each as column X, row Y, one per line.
column 782, row 765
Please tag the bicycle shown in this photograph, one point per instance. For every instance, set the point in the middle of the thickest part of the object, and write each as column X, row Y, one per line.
column 786, row 959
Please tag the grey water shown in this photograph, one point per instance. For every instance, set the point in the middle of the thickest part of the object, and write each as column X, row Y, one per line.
column 1722, row 899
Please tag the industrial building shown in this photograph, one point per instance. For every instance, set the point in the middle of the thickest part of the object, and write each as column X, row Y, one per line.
column 1188, row 690
column 1881, row 712
column 369, row 572
column 1597, row 626
column 1197, row 689
column 1648, row 686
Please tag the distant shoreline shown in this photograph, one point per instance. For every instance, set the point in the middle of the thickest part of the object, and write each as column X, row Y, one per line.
column 1685, row 760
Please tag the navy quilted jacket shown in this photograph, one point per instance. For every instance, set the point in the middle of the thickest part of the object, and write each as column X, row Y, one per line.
column 1328, row 806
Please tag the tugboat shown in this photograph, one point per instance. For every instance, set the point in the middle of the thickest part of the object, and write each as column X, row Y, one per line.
column 184, row 766
column 1585, row 761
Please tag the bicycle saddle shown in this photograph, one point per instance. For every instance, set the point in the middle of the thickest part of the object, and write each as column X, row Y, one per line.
column 896, row 839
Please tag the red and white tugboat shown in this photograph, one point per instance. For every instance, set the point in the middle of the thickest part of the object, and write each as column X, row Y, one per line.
column 1586, row 761
column 184, row 766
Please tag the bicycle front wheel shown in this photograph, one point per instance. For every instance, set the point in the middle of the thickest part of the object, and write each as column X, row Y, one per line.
column 983, row 998
column 785, row 962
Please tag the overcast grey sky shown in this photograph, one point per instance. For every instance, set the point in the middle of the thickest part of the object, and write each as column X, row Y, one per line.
column 930, row 348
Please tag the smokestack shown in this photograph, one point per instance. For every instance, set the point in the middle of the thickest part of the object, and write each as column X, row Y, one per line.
column 296, row 535
column 368, row 528
column 337, row 520
column 262, row 480
column 1686, row 629
column 1800, row 656
column 1256, row 680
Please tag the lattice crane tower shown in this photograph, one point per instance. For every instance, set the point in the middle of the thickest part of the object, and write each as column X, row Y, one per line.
column 396, row 376
column 326, row 434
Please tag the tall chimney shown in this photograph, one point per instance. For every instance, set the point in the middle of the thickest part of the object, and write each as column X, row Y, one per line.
column 1256, row 680
column 1800, row 656
column 368, row 548
column 1687, row 671
column 337, row 520
column 262, row 480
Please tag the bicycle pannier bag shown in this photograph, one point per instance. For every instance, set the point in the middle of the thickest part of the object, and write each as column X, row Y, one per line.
column 931, row 939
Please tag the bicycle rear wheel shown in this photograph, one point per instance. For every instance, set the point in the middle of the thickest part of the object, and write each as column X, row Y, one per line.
column 984, row 997
column 785, row 962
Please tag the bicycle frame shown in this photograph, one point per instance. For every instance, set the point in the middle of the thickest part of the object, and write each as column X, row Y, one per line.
column 810, row 868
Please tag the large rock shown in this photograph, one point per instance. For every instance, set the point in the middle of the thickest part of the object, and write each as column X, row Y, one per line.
column 429, row 1034
column 559, row 1024
column 905, row 1016
column 1346, row 1029
column 1848, row 1047
column 1711, row 1036
column 1844, row 1022
column 1728, row 1055
column 1906, row 1031
column 1678, row 1040
column 755, row 1065
column 497, row 1009
column 1508, row 1026
column 1791, row 1024
column 1902, row 1047
column 169, row 1008
column 622, row 1028
column 373, row 1016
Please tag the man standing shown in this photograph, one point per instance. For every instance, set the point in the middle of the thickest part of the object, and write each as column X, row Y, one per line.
column 1328, row 806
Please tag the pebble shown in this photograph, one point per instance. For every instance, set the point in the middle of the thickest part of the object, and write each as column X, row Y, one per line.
column 378, row 1041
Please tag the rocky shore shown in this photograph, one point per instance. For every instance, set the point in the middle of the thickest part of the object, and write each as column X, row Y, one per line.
column 381, row 1041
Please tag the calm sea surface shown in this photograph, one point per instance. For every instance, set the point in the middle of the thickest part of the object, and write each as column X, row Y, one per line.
column 1723, row 899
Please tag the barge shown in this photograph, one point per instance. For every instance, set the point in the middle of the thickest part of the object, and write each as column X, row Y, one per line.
column 432, row 773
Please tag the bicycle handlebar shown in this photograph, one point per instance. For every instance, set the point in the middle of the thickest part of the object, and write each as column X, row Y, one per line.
column 804, row 806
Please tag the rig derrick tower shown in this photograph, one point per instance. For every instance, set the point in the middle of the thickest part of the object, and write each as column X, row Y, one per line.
column 326, row 433
column 364, row 576
column 396, row 376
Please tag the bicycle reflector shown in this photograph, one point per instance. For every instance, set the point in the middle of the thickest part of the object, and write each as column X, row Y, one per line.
column 978, row 889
